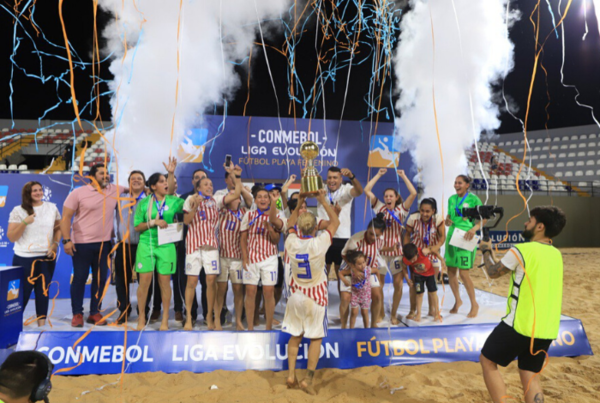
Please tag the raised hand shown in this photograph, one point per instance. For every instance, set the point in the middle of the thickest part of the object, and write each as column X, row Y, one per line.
column 237, row 170
column 346, row 172
column 320, row 197
column 382, row 172
column 171, row 165
column 401, row 173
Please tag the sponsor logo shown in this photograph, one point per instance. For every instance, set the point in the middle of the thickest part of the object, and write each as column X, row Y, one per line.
column 139, row 265
column 383, row 153
column 13, row 290
column 193, row 145
column 47, row 194
column 3, row 244
column 3, row 194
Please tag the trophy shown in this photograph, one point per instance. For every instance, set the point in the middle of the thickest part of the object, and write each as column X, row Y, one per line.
column 311, row 181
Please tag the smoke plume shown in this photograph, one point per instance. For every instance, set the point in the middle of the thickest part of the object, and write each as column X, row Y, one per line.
column 143, row 41
column 470, row 54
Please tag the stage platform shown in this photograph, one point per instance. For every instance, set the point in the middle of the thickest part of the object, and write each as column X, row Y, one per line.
column 456, row 338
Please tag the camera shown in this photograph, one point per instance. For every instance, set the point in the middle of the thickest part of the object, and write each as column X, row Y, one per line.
column 484, row 213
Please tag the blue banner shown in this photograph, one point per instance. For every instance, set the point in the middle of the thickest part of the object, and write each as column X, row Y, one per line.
column 103, row 352
column 506, row 240
column 11, row 305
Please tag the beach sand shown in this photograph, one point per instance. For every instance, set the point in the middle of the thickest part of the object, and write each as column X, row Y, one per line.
column 563, row 380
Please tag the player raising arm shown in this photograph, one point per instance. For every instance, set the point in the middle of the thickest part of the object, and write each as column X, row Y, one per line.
column 306, row 310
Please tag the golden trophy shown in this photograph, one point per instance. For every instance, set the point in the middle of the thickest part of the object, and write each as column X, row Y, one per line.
column 311, row 181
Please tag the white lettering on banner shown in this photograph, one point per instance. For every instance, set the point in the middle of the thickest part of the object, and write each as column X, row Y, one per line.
column 288, row 137
column 106, row 354
column 199, row 352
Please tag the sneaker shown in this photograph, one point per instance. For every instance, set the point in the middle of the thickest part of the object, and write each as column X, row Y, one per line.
column 155, row 316
column 77, row 320
column 178, row 316
column 96, row 319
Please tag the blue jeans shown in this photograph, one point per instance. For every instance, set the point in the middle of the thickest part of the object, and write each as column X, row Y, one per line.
column 46, row 270
column 94, row 255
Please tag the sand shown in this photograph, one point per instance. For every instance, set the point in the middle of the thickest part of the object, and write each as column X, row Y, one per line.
column 564, row 380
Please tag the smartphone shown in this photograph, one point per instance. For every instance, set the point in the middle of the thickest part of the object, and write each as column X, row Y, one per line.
column 227, row 160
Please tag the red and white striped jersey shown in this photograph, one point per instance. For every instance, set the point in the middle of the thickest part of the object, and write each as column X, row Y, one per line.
column 203, row 229
column 286, row 258
column 371, row 251
column 307, row 261
column 230, row 224
column 421, row 231
column 393, row 232
column 259, row 246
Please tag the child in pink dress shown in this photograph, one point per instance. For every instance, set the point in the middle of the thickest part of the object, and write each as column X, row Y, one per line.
column 361, row 286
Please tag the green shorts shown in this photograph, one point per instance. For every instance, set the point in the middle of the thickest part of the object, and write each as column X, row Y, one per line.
column 456, row 257
column 163, row 258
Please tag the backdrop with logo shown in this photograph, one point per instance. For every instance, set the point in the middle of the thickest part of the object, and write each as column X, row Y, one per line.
column 268, row 151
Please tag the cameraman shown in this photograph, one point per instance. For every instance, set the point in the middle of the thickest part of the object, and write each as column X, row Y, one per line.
column 536, row 282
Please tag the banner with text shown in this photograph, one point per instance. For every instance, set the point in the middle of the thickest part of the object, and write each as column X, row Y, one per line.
column 103, row 352
column 506, row 240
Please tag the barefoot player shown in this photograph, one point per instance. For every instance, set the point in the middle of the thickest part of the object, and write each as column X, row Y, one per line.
column 306, row 310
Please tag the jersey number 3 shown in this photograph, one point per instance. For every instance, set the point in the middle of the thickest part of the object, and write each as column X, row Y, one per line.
column 304, row 263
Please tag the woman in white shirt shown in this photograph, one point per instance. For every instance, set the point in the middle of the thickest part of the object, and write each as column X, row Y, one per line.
column 34, row 227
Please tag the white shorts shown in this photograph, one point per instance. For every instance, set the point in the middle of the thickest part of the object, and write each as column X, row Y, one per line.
column 393, row 264
column 344, row 287
column 202, row 258
column 374, row 281
column 265, row 271
column 231, row 269
column 303, row 316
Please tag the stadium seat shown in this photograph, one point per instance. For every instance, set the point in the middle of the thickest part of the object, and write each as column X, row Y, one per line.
column 598, row 172
column 558, row 174
column 564, row 147
column 501, row 144
column 571, row 155
column 592, row 136
column 598, row 162
column 25, row 172
column 513, row 151
column 550, row 165
column 574, row 138
column 570, row 164
column 547, row 140
column 578, row 173
column 22, row 167
column 543, row 156
column 535, row 157
column 589, row 163
column 568, row 174
column 582, row 184
column 3, row 167
column 582, row 145
column 536, row 149
column 57, row 173
column 562, row 155
column 545, row 148
column 592, row 144
column 12, row 167
column 583, row 137
column 580, row 164
column 572, row 146
column 541, row 166
column 581, row 154
column 554, row 148
column 589, row 173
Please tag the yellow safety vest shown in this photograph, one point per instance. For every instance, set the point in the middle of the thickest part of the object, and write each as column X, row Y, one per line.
column 537, row 295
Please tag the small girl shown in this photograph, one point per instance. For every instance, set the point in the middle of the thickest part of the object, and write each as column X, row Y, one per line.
column 361, row 286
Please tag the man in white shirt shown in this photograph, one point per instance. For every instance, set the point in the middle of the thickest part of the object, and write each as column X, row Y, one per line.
column 340, row 196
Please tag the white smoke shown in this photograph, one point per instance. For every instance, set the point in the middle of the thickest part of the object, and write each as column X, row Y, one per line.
column 212, row 33
column 460, row 74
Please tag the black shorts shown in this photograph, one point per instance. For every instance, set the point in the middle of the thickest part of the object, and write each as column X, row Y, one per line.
column 334, row 253
column 504, row 344
column 280, row 274
column 420, row 282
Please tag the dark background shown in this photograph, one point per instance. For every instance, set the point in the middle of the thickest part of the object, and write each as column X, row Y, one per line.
column 31, row 97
